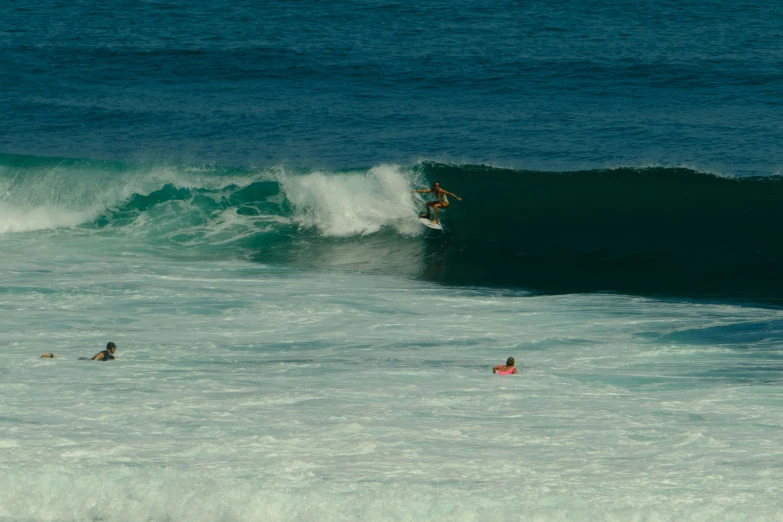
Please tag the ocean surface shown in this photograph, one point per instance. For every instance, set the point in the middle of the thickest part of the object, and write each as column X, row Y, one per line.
column 223, row 189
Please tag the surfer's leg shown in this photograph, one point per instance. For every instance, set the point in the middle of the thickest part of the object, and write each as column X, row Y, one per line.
column 427, row 208
column 436, row 206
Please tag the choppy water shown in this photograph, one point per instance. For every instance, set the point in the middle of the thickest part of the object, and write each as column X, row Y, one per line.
column 246, row 392
column 224, row 191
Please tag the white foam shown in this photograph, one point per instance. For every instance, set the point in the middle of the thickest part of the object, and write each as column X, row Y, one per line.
column 14, row 219
column 161, row 493
column 342, row 205
column 252, row 393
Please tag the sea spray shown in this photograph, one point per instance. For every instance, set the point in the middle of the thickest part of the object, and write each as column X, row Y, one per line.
column 351, row 204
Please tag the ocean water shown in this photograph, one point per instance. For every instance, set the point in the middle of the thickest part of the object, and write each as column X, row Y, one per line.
column 223, row 190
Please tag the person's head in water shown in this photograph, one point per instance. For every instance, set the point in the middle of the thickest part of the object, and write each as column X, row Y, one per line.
column 107, row 354
column 505, row 369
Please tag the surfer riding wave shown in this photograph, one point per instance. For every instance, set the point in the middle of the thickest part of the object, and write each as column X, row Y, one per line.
column 441, row 201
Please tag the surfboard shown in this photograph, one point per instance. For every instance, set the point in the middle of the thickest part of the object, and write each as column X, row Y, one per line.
column 428, row 223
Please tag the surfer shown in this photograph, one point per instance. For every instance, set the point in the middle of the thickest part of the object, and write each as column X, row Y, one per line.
column 49, row 355
column 106, row 354
column 505, row 369
column 441, row 201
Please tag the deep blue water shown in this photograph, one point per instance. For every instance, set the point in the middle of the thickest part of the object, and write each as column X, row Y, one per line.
column 564, row 85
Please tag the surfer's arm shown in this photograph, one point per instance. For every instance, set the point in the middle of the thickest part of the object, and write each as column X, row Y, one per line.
column 423, row 191
column 495, row 368
column 515, row 371
column 450, row 194
column 98, row 357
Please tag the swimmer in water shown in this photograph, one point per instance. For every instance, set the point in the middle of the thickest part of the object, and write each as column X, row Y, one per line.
column 441, row 201
column 107, row 354
column 505, row 369
column 49, row 355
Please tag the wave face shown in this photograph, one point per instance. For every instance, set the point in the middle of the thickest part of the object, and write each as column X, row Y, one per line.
column 639, row 230
column 658, row 231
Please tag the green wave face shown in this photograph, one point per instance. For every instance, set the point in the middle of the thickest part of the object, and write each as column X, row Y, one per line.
column 651, row 230
column 664, row 231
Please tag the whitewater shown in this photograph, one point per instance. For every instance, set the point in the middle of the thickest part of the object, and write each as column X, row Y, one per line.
column 287, row 352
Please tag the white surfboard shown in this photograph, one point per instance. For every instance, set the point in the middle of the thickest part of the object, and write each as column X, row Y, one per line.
column 428, row 223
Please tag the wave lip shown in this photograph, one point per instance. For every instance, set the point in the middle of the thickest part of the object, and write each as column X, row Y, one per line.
column 344, row 205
